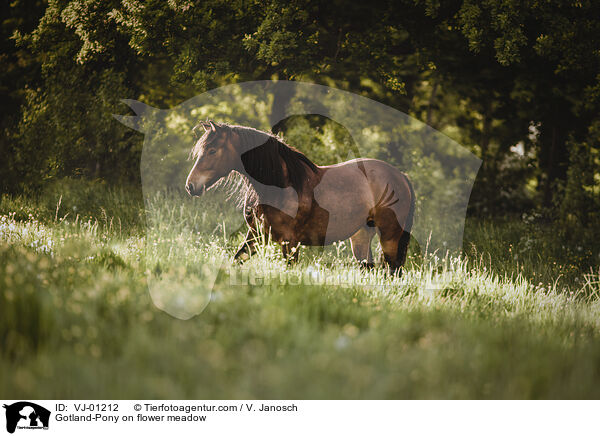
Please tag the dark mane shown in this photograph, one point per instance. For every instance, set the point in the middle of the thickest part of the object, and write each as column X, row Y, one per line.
column 264, row 155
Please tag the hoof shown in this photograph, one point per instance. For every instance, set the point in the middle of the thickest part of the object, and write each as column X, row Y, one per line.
column 241, row 256
column 397, row 272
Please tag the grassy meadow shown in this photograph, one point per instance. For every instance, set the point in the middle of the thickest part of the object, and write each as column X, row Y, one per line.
column 516, row 316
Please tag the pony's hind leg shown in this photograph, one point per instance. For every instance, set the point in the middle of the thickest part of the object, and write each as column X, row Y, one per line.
column 393, row 219
column 393, row 241
column 361, row 246
column 403, row 248
column 392, row 254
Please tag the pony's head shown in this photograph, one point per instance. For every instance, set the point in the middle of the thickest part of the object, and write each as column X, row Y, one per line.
column 215, row 156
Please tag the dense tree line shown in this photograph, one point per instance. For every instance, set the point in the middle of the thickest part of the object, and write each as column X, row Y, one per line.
column 497, row 76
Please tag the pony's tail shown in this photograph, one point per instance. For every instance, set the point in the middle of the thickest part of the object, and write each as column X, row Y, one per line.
column 405, row 238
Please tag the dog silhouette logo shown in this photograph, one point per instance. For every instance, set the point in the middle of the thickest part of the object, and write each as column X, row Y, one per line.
column 442, row 173
column 26, row 415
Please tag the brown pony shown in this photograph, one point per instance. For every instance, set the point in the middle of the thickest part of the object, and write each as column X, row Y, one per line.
column 298, row 202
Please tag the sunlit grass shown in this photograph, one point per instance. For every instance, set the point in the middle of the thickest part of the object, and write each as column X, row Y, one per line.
column 77, row 318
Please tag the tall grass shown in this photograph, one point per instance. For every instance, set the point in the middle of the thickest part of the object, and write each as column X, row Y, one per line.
column 77, row 319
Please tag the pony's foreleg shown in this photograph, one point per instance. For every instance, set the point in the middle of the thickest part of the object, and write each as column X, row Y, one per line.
column 248, row 247
column 361, row 246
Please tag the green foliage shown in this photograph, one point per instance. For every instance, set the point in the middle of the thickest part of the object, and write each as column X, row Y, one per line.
column 20, row 71
column 580, row 206
column 79, row 200
column 324, row 141
column 483, row 72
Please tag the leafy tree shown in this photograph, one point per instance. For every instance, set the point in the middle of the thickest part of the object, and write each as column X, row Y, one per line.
column 490, row 73
column 20, row 72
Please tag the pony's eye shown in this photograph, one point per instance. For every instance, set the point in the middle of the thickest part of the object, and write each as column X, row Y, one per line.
column 212, row 151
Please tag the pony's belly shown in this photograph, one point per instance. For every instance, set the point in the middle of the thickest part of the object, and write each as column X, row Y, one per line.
column 317, row 229
column 328, row 231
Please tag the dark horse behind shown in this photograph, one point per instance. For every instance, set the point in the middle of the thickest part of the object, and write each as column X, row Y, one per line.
column 297, row 202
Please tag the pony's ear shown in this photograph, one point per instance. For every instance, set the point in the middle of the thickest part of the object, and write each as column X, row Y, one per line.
column 205, row 125
column 213, row 126
column 198, row 131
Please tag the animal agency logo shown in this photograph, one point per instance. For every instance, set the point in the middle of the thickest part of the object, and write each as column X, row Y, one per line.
column 25, row 415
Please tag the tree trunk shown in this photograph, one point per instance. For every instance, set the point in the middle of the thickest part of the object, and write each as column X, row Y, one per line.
column 432, row 97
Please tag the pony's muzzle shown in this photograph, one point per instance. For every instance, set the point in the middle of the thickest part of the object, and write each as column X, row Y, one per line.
column 195, row 191
column 190, row 188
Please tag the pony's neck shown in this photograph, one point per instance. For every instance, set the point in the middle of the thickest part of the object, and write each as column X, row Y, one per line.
column 269, row 161
column 264, row 186
column 250, row 139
